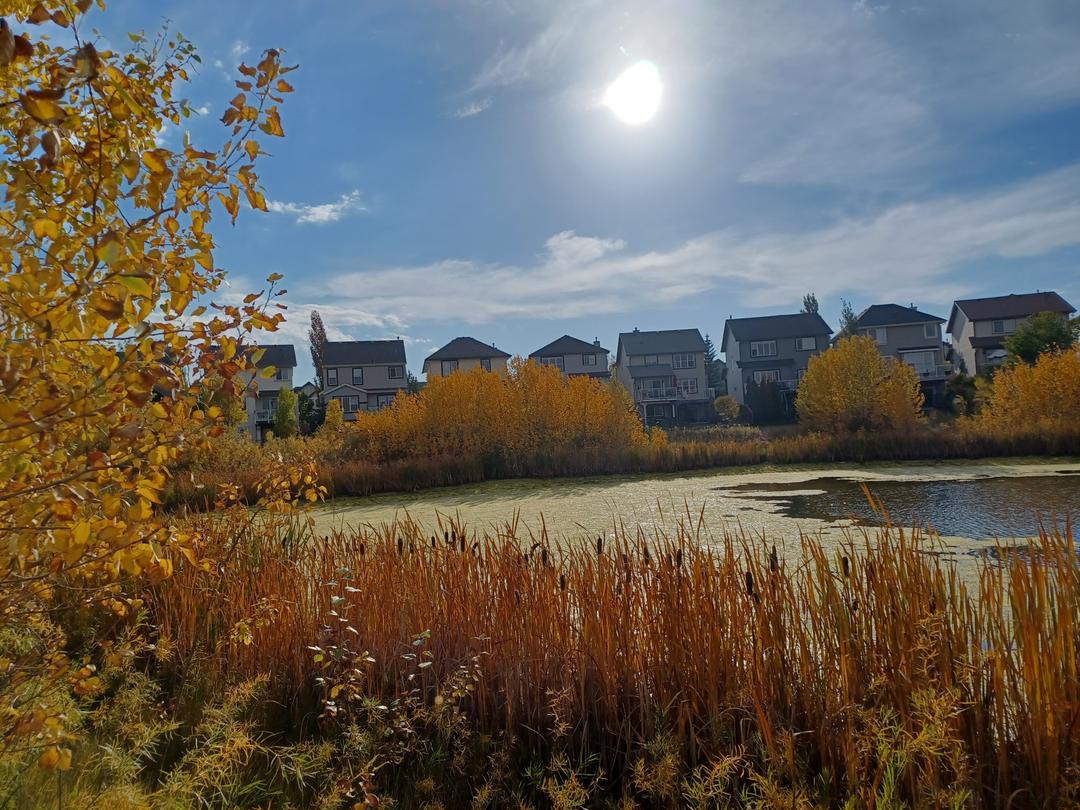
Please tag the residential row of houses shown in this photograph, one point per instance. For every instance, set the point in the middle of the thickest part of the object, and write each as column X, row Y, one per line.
column 666, row 370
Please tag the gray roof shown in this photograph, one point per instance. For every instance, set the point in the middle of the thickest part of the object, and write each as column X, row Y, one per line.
column 664, row 341
column 568, row 345
column 364, row 352
column 655, row 370
column 771, row 327
column 893, row 314
column 466, row 348
column 278, row 355
column 1010, row 306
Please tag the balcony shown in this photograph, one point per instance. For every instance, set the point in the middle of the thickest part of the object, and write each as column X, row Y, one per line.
column 656, row 394
column 933, row 372
column 262, row 415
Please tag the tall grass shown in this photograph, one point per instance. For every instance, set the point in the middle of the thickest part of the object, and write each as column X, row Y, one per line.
column 871, row 670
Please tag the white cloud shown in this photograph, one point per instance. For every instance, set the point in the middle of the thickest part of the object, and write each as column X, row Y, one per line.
column 202, row 110
column 238, row 49
column 472, row 108
column 907, row 252
column 322, row 213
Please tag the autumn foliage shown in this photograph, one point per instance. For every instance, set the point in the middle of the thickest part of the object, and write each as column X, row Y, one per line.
column 851, row 386
column 1045, row 394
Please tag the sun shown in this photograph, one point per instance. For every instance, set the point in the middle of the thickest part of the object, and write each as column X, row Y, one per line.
column 634, row 97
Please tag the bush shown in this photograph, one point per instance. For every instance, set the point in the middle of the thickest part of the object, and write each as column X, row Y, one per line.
column 1045, row 393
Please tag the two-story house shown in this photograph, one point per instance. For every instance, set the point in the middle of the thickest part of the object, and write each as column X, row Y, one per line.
column 363, row 375
column 665, row 373
column 772, row 349
column 462, row 354
column 575, row 358
column 262, row 392
column 979, row 326
column 914, row 337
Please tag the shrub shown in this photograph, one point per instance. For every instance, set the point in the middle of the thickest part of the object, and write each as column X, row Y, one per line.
column 1044, row 393
column 727, row 409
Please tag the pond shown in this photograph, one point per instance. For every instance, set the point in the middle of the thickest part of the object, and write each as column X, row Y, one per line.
column 971, row 503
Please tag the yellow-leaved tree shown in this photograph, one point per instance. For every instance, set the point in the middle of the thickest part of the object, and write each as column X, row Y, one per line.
column 109, row 334
column 1046, row 393
column 852, row 386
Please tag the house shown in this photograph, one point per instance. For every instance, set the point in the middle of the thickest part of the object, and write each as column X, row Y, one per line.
column 363, row 375
column 308, row 389
column 979, row 326
column 914, row 337
column 262, row 394
column 575, row 358
column 462, row 354
column 665, row 373
column 772, row 349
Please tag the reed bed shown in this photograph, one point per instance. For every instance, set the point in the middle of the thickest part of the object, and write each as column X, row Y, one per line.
column 871, row 671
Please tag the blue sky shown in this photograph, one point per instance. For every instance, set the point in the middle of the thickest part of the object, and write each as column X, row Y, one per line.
column 449, row 167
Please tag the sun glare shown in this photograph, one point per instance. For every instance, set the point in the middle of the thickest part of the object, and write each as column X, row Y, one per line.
column 634, row 97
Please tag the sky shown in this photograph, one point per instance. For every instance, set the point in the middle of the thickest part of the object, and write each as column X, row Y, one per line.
column 450, row 168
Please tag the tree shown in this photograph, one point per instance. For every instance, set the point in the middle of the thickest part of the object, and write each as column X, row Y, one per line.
column 765, row 403
column 285, row 425
column 810, row 304
column 727, row 410
column 412, row 384
column 851, row 386
column 107, row 273
column 1042, row 332
column 849, row 325
column 1043, row 393
column 714, row 367
column 317, row 340
column 310, row 414
column 334, row 420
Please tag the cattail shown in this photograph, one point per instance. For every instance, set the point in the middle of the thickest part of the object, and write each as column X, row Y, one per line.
column 361, row 549
column 446, row 536
column 678, row 558
column 648, row 559
column 400, row 546
column 749, row 584
column 562, row 582
column 774, row 562
column 544, row 556
column 433, row 541
column 599, row 545
column 846, row 565
column 462, row 543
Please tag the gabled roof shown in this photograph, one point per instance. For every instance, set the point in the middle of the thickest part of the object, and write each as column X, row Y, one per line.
column 1009, row 306
column 664, row 341
column 568, row 345
column 363, row 352
column 894, row 314
column 278, row 355
column 772, row 327
column 466, row 348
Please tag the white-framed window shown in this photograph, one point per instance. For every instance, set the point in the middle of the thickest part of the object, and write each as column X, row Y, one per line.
column 879, row 333
column 331, row 376
column 552, row 361
column 271, row 407
column 384, row 400
column 588, row 359
column 685, row 360
column 449, row 367
column 806, row 344
column 767, row 376
column 396, row 372
column 762, row 348
column 349, row 404
column 929, row 330
column 485, row 363
column 281, row 374
column 688, row 386
column 358, row 376
column 651, row 360
column 998, row 327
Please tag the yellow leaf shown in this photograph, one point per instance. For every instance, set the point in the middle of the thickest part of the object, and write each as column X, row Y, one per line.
column 110, row 248
column 252, row 149
column 43, row 110
column 284, row 87
column 158, row 410
column 46, row 227
column 154, row 161
column 137, row 285
column 80, row 533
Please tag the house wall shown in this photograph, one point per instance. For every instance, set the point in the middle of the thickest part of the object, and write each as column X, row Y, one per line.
column 791, row 363
column 260, row 396
column 573, row 363
column 963, row 332
column 433, row 368
column 911, row 336
column 376, row 378
column 697, row 372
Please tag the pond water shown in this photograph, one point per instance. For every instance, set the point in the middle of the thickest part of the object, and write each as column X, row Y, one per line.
column 971, row 504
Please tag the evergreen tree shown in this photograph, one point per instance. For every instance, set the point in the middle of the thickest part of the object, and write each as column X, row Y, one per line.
column 317, row 339
column 849, row 326
column 714, row 367
column 810, row 304
column 412, row 384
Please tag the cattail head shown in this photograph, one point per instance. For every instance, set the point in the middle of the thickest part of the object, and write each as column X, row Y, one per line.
column 845, row 564
column 400, row 546
column 446, row 537
column 749, row 583
column 599, row 545
column 544, row 555
column 774, row 562
column 678, row 558
column 562, row 582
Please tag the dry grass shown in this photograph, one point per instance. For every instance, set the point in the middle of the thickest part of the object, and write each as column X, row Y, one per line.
column 872, row 672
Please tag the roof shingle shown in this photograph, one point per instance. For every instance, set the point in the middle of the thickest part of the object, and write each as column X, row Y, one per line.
column 664, row 341
column 1010, row 306
column 466, row 348
column 894, row 314
column 771, row 327
column 364, row 352
column 568, row 345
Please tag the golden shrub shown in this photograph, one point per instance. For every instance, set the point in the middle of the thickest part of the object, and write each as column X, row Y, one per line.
column 1045, row 393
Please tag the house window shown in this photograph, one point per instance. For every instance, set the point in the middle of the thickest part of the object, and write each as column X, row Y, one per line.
column 383, row 400
column 552, row 361
column 763, row 348
column 331, row 376
column 358, row 376
column 686, row 360
column 929, row 331
column 687, row 387
column 271, row 407
column 281, row 374
column 805, row 344
column 485, row 363
column 449, row 367
column 588, row 359
column 767, row 376
column 999, row 327
column 651, row 360
column 396, row 372
column 348, row 404
column 879, row 334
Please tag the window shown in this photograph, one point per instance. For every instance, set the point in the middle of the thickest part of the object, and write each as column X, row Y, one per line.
column 588, row 359
column 763, row 348
column 879, row 334
column 383, row 400
column 271, row 407
column 349, row 404
column 999, row 327
column 929, row 330
column 767, row 376
column 449, row 367
column 357, row 376
column 331, row 376
column 805, row 344
column 485, row 363
column 396, row 372
column 651, row 360
column 282, row 374
column 552, row 361
column 687, row 387
column 683, row 360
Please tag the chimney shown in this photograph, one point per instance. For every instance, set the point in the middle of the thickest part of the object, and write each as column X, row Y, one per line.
column 913, row 305
column 635, row 329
